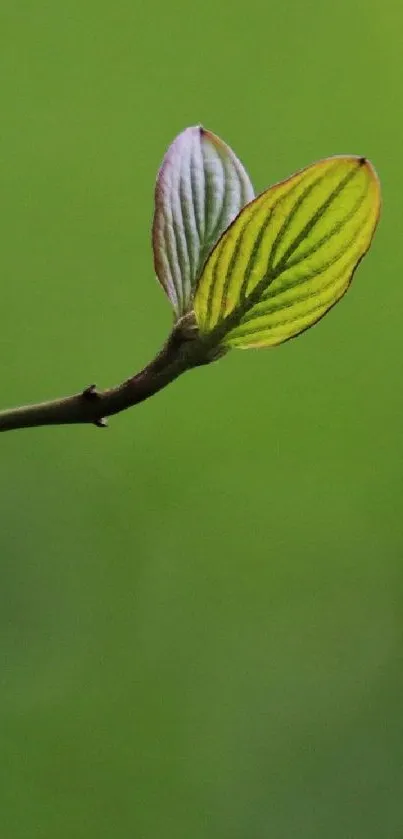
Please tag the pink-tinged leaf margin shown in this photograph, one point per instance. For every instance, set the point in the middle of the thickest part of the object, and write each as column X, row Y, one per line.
column 201, row 187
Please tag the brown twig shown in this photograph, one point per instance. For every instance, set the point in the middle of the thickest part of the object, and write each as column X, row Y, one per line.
column 183, row 350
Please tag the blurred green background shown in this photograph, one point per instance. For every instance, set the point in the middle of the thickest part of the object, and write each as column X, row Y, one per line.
column 201, row 608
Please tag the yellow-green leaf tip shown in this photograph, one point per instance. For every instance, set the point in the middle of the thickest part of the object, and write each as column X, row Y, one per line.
column 290, row 254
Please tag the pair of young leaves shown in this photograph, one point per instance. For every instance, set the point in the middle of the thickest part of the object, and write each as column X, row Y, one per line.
column 257, row 271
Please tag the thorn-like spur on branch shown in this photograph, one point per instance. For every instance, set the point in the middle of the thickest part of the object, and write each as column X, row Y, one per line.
column 92, row 393
column 184, row 349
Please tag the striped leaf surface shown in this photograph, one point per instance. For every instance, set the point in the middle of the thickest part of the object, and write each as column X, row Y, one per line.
column 200, row 188
column 290, row 254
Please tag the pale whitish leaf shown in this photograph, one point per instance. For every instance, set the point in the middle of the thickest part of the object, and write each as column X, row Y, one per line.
column 200, row 188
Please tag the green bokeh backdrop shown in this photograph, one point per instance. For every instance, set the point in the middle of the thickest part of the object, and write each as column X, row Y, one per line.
column 202, row 608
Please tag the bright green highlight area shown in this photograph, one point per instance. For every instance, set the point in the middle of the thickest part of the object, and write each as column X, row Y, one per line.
column 201, row 187
column 290, row 254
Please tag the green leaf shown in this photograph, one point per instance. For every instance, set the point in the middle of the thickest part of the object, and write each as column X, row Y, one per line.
column 290, row 255
column 200, row 188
